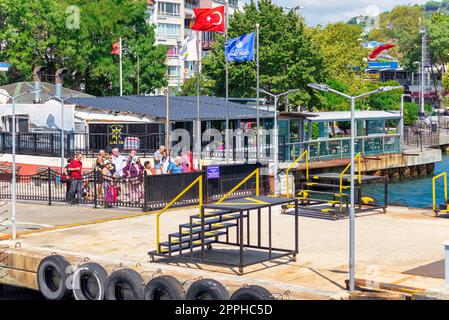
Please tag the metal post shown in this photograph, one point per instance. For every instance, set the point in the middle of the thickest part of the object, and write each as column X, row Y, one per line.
column 198, row 117
column 14, row 195
column 276, row 146
column 401, row 124
column 121, row 67
column 422, row 71
column 227, row 133
column 257, row 94
column 446, row 264
column 352, row 207
column 167, row 121
column 62, row 135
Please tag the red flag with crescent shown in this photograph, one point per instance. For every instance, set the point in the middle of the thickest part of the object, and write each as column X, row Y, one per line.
column 212, row 20
column 373, row 54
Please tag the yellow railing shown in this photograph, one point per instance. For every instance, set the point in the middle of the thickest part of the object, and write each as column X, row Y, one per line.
column 198, row 181
column 256, row 173
column 304, row 154
column 359, row 158
column 434, row 192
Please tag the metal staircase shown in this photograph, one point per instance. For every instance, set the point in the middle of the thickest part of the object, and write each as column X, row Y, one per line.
column 216, row 224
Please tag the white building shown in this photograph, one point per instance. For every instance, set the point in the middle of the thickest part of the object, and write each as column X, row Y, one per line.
column 173, row 19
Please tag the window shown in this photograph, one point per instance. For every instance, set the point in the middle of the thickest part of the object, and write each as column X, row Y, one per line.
column 172, row 51
column 168, row 9
column 172, row 71
column 168, row 29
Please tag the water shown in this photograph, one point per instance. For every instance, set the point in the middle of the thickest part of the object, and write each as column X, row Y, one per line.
column 414, row 193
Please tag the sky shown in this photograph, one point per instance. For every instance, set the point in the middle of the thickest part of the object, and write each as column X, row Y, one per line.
column 325, row 11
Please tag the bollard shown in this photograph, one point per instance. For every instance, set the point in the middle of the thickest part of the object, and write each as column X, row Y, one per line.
column 446, row 261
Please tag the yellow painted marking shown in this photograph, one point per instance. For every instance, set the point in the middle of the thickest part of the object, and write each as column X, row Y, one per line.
column 311, row 184
column 256, row 201
column 333, row 202
column 326, row 210
column 218, row 225
column 316, row 177
column 367, row 200
column 236, row 203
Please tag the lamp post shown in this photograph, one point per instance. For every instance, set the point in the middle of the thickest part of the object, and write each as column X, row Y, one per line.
column 275, row 131
column 62, row 101
column 401, row 124
column 326, row 88
column 13, row 181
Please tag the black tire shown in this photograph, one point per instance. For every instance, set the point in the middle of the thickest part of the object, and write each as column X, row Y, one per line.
column 53, row 276
column 164, row 288
column 252, row 293
column 124, row 284
column 89, row 282
column 207, row 289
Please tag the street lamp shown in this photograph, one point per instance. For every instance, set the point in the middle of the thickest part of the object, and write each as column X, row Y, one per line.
column 62, row 101
column 326, row 88
column 276, row 144
column 13, row 181
column 401, row 124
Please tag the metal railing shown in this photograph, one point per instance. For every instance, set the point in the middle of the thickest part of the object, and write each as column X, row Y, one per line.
column 434, row 193
column 359, row 167
column 304, row 154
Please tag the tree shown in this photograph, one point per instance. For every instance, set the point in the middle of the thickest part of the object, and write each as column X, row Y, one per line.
column 289, row 59
column 445, row 81
column 44, row 32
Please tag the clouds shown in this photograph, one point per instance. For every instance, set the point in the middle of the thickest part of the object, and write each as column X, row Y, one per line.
column 325, row 11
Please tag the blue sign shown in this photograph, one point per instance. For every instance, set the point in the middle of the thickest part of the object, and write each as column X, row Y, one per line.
column 374, row 65
column 213, row 172
column 241, row 48
column 4, row 66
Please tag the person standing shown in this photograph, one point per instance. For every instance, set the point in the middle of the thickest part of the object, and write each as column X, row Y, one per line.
column 119, row 162
column 158, row 155
column 134, row 170
column 175, row 166
column 75, row 171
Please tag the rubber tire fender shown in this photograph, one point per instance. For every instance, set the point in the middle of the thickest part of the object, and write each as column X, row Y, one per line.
column 252, row 292
column 207, row 289
column 47, row 287
column 170, row 285
column 98, row 273
column 130, row 277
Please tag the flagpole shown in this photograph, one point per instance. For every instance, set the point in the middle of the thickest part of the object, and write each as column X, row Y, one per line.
column 198, row 117
column 227, row 132
column 257, row 95
column 121, row 68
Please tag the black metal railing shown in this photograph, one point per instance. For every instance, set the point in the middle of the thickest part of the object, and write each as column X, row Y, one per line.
column 148, row 192
column 49, row 143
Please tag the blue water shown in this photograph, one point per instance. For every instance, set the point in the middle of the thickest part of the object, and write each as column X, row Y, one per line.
column 414, row 193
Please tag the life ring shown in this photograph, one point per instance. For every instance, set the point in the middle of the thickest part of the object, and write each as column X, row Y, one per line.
column 207, row 289
column 124, row 284
column 252, row 292
column 89, row 282
column 164, row 288
column 367, row 200
column 53, row 277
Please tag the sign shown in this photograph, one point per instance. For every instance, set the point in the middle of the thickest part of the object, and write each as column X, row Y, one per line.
column 374, row 65
column 213, row 172
column 4, row 66
column 116, row 134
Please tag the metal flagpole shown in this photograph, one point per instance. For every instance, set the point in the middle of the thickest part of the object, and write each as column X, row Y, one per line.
column 121, row 68
column 227, row 131
column 198, row 116
column 14, row 191
column 352, row 207
column 257, row 95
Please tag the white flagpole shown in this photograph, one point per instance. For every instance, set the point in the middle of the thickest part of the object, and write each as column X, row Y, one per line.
column 198, row 116
column 227, row 131
column 121, row 68
column 257, row 95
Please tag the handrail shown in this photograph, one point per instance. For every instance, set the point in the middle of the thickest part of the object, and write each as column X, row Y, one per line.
column 434, row 194
column 198, row 180
column 359, row 157
column 306, row 154
column 255, row 172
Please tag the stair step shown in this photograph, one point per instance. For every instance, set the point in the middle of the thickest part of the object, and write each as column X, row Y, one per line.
column 330, row 202
column 324, row 185
column 212, row 227
column 212, row 213
column 186, row 238
column 324, row 192
column 185, row 246
column 222, row 218
column 322, row 210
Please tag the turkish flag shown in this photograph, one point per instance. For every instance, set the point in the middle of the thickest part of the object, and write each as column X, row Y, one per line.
column 209, row 19
column 115, row 48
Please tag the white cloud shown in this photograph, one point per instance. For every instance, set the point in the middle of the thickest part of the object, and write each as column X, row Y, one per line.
column 325, row 11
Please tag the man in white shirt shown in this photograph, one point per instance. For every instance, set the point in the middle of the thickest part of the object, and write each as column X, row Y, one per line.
column 119, row 162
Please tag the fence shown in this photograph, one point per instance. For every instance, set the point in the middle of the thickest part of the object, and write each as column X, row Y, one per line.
column 49, row 143
column 146, row 192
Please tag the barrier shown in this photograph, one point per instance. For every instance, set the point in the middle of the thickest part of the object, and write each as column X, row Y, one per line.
column 434, row 193
column 304, row 154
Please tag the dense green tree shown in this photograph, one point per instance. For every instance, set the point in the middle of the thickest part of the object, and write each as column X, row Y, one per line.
column 288, row 57
column 78, row 35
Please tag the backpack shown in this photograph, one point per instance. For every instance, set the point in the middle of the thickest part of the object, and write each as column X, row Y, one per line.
column 111, row 194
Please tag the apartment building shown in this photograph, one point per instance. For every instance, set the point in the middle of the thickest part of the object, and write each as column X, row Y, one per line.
column 173, row 19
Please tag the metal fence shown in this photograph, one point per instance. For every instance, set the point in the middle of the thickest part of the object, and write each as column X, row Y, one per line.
column 146, row 192
column 49, row 143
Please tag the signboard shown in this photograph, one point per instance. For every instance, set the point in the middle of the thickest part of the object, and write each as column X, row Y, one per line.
column 213, row 172
column 4, row 66
column 116, row 134
column 374, row 65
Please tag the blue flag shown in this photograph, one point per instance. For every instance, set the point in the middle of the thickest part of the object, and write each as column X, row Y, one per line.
column 241, row 48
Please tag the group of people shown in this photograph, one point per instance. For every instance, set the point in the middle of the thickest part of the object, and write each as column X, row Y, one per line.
column 164, row 164
column 110, row 167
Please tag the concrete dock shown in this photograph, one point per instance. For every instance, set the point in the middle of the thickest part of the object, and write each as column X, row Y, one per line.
column 388, row 247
